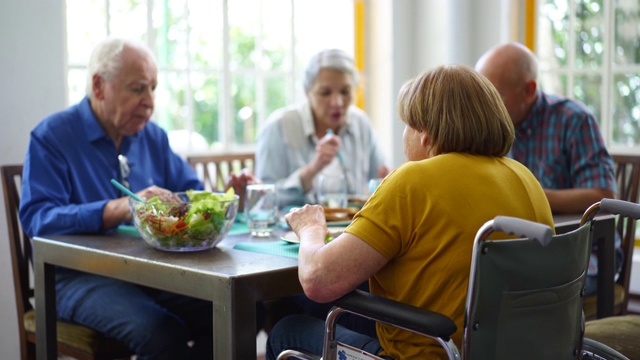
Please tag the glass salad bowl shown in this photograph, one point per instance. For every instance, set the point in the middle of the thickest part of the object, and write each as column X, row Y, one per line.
column 197, row 220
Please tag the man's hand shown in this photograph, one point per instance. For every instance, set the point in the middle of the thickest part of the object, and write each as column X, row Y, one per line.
column 117, row 210
column 239, row 184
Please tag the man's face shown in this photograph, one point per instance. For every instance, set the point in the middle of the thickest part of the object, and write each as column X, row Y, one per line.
column 128, row 98
column 513, row 93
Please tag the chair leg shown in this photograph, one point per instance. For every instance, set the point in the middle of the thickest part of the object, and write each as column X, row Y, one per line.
column 31, row 351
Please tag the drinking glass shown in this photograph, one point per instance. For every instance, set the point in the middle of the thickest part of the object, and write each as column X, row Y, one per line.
column 261, row 209
column 332, row 190
column 373, row 185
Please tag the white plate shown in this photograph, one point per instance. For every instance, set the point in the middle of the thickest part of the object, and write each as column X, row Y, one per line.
column 343, row 223
column 291, row 236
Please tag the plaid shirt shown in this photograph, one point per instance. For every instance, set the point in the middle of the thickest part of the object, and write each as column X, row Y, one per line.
column 560, row 142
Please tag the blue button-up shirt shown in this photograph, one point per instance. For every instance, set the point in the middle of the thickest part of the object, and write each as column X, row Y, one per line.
column 560, row 142
column 70, row 162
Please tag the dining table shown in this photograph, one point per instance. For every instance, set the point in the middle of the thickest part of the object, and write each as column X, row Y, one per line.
column 236, row 274
column 233, row 280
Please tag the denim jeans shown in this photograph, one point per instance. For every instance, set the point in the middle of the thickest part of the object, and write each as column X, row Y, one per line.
column 303, row 332
column 154, row 324
column 592, row 279
column 591, row 284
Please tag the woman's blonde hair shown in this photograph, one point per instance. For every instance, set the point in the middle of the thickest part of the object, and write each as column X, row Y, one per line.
column 459, row 109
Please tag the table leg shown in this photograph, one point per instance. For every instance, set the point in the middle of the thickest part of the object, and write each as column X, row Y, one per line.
column 234, row 324
column 45, row 304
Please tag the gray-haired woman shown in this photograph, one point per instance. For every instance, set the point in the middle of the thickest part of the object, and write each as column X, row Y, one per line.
column 300, row 141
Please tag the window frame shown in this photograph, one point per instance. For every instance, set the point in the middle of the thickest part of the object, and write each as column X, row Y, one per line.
column 226, row 113
column 607, row 71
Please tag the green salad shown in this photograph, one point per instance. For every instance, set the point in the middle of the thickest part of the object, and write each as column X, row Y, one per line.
column 196, row 222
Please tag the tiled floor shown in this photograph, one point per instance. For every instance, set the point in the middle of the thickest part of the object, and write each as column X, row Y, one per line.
column 261, row 341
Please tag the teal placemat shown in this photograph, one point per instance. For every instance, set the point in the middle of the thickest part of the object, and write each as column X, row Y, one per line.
column 128, row 230
column 278, row 248
column 237, row 229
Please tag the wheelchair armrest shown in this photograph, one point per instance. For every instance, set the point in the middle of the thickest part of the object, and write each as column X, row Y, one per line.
column 397, row 314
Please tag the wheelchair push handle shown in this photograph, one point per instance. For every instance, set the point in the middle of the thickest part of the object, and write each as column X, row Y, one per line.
column 523, row 228
column 621, row 207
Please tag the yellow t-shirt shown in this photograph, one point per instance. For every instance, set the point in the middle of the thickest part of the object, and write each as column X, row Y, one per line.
column 424, row 218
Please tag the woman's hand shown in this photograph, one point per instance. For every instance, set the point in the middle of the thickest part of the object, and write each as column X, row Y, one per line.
column 326, row 150
column 307, row 220
column 383, row 171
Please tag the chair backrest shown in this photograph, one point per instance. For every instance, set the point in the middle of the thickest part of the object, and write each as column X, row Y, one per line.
column 525, row 298
column 19, row 245
column 214, row 170
column 628, row 180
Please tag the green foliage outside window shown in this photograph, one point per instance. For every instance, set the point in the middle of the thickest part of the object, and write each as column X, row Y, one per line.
column 583, row 75
column 222, row 94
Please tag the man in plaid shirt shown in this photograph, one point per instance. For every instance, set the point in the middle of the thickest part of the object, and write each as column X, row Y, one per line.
column 557, row 138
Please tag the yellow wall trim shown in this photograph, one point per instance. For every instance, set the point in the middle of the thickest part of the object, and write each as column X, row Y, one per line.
column 359, row 51
column 530, row 24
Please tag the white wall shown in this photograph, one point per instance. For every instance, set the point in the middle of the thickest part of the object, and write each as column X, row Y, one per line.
column 404, row 38
column 31, row 86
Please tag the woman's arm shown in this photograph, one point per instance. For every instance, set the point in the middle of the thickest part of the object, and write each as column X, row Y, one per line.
column 328, row 271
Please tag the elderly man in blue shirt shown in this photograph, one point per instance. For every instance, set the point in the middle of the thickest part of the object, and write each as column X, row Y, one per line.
column 66, row 189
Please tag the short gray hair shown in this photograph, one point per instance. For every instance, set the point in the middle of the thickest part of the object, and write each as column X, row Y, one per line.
column 329, row 59
column 106, row 59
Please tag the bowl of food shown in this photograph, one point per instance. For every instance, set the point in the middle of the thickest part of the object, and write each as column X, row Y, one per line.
column 196, row 220
column 333, row 215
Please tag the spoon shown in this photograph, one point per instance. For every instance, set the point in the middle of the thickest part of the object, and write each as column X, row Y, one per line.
column 125, row 190
column 342, row 164
column 330, row 131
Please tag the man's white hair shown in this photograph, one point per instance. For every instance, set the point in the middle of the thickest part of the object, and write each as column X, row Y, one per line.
column 106, row 59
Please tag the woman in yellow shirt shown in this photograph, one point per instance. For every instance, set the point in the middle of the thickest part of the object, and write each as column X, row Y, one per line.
column 413, row 239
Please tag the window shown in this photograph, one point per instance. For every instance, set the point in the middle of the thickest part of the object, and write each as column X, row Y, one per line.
column 590, row 50
column 223, row 65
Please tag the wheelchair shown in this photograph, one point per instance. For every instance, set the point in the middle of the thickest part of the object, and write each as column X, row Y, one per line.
column 524, row 299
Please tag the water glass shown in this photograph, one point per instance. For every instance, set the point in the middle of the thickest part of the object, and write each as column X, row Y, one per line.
column 261, row 209
column 373, row 185
column 332, row 190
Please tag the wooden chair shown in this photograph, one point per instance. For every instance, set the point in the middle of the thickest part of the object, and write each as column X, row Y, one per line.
column 628, row 180
column 73, row 340
column 214, row 170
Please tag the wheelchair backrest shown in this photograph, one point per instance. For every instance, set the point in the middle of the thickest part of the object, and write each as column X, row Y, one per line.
column 525, row 299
